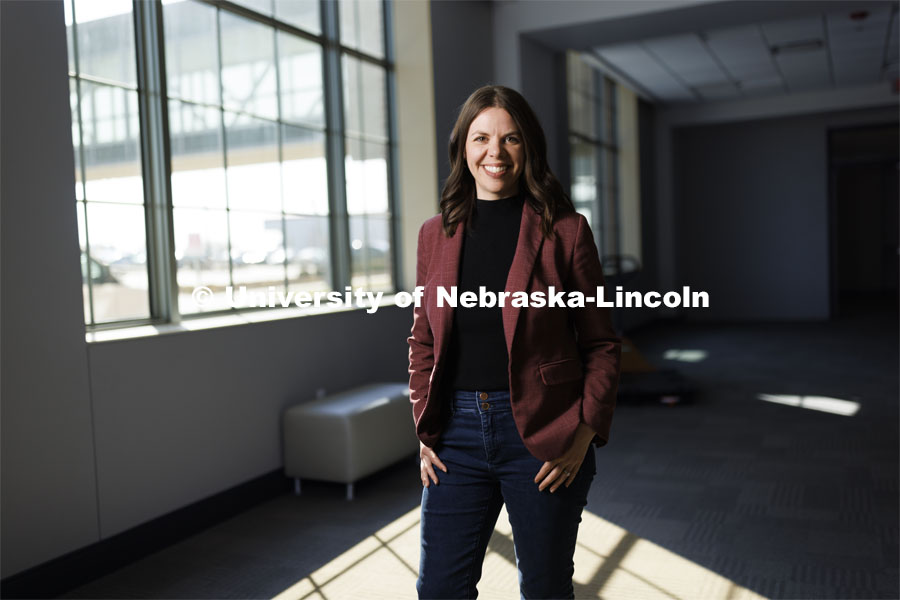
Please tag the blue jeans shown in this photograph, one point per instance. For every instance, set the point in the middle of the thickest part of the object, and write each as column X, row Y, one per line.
column 488, row 465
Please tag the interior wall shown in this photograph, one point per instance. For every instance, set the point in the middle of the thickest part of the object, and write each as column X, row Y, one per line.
column 416, row 158
column 752, row 224
column 182, row 416
column 48, row 494
column 98, row 438
column 543, row 85
column 460, row 66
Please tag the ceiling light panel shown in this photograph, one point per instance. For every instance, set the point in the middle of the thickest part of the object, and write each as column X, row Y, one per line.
column 806, row 71
column 742, row 51
column 687, row 57
column 803, row 65
column 779, row 33
column 818, row 51
column 635, row 62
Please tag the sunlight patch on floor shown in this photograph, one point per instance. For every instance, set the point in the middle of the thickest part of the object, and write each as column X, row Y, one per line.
column 610, row 562
column 836, row 406
column 685, row 355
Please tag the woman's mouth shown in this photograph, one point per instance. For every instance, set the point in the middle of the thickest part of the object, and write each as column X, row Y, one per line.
column 496, row 171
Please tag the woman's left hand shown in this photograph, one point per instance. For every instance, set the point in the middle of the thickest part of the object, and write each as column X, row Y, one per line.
column 561, row 471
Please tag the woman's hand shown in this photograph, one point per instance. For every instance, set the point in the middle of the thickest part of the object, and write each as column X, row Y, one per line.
column 428, row 460
column 563, row 470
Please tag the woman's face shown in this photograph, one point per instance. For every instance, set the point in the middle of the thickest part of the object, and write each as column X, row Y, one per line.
column 495, row 154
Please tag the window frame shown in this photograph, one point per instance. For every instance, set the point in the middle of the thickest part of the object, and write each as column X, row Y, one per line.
column 606, row 208
column 156, row 153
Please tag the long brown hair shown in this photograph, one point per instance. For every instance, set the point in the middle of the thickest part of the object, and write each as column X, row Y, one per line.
column 541, row 187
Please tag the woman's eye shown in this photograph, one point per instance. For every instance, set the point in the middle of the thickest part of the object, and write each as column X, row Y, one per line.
column 513, row 139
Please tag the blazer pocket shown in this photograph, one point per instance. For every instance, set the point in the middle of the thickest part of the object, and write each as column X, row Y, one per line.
column 561, row 371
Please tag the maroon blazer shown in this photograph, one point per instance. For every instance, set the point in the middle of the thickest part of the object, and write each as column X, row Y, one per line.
column 563, row 362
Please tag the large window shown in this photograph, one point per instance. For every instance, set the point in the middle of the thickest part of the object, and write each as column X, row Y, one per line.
column 243, row 144
column 108, row 177
column 594, row 150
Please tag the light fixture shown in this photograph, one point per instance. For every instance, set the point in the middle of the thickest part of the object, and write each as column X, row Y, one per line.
column 798, row 47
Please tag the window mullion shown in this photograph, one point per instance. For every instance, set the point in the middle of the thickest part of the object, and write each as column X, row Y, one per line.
column 394, row 215
column 156, row 166
column 82, row 206
column 339, row 226
column 614, row 156
column 223, row 132
column 280, row 138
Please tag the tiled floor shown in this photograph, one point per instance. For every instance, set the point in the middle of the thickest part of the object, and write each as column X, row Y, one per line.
column 732, row 496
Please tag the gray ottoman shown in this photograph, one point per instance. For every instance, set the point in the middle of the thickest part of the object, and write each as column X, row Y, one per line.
column 348, row 435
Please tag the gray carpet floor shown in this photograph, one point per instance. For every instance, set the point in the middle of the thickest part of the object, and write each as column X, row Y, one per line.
column 729, row 496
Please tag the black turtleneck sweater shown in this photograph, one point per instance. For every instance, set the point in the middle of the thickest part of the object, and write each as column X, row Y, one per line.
column 478, row 359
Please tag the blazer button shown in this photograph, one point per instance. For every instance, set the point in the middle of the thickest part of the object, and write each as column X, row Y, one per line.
column 485, row 406
column 483, row 396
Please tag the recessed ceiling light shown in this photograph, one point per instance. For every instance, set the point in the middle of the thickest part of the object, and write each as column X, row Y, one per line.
column 798, row 46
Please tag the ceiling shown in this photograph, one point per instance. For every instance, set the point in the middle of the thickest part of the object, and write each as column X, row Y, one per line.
column 824, row 50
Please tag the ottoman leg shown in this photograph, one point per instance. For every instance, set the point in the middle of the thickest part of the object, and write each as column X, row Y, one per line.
column 349, row 491
column 297, row 486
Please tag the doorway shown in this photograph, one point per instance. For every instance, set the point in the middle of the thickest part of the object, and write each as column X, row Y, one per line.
column 864, row 198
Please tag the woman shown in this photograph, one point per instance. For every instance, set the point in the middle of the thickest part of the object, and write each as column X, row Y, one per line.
column 506, row 399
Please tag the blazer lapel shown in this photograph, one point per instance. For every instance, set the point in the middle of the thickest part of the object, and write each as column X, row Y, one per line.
column 527, row 248
column 451, row 250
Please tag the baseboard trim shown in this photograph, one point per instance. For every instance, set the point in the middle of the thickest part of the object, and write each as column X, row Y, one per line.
column 81, row 566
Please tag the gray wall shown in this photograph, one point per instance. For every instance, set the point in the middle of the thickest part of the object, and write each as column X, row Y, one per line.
column 98, row 438
column 751, row 205
column 543, row 84
column 463, row 62
column 47, row 478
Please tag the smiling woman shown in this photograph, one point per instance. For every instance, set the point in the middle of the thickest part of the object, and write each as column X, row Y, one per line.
column 507, row 398
column 496, row 128
column 494, row 154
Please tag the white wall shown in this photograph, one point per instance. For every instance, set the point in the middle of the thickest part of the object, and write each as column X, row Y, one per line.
column 101, row 437
column 416, row 158
column 48, row 493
